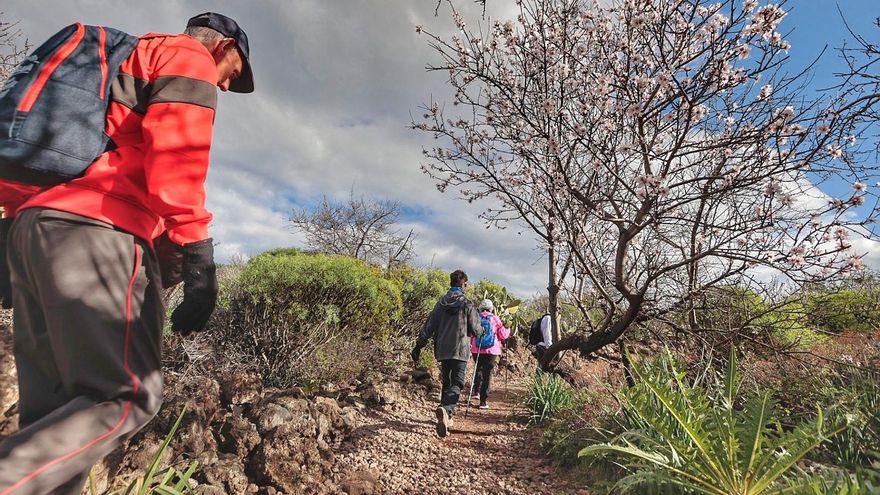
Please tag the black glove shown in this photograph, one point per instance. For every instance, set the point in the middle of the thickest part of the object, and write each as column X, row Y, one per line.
column 415, row 354
column 199, row 288
column 170, row 256
column 5, row 283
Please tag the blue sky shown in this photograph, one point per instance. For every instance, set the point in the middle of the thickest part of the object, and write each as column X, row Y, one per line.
column 815, row 24
column 336, row 82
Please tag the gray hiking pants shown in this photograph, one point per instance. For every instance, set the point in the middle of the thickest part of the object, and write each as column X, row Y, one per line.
column 87, row 335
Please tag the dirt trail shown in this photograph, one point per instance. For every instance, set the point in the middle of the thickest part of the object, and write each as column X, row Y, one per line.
column 489, row 451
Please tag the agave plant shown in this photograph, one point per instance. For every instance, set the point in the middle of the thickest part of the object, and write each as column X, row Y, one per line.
column 697, row 437
column 547, row 395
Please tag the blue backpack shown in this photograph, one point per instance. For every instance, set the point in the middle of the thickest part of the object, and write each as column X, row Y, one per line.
column 487, row 341
column 53, row 106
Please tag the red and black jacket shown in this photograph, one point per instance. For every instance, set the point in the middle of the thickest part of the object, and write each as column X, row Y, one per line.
column 161, row 120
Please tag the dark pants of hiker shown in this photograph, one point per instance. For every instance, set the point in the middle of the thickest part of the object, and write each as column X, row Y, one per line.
column 452, row 373
column 87, row 334
column 483, row 374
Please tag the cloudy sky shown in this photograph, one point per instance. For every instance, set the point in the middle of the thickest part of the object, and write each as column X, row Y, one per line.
column 336, row 82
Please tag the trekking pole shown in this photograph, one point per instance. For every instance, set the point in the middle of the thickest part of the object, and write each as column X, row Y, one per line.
column 471, row 393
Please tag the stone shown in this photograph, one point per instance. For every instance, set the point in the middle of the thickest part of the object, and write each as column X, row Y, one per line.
column 421, row 375
column 240, row 388
column 286, row 456
column 227, row 474
column 271, row 416
column 350, row 417
column 238, row 436
column 365, row 482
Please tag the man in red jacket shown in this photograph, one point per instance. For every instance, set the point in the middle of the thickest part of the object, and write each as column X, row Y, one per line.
column 88, row 259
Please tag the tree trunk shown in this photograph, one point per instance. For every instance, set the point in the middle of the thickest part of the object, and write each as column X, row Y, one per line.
column 588, row 344
column 553, row 294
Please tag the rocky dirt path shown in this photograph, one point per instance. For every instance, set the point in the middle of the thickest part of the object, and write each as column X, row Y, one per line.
column 398, row 451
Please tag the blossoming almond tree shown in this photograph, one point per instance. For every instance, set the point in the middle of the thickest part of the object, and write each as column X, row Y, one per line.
column 661, row 144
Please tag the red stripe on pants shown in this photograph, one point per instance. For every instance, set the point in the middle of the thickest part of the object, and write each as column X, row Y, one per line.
column 127, row 408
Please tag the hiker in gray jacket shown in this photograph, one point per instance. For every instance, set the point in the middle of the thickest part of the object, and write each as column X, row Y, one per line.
column 451, row 323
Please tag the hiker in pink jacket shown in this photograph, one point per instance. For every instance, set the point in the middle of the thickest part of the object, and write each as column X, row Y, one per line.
column 487, row 351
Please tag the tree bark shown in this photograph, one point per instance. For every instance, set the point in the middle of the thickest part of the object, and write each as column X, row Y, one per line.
column 553, row 293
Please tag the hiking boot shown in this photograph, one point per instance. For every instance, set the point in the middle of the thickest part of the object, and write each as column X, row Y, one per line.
column 484, row 405
column 442, row 421
column 475, row 397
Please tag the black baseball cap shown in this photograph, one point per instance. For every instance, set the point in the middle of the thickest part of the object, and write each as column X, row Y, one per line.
column 244, row 83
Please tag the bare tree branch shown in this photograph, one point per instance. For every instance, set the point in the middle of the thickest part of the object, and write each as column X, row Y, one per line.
column 12, row 47
column 360, row 228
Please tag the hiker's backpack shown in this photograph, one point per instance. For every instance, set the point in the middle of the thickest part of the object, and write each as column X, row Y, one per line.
column 487, row 341
column 54, row 105
column 536, row 336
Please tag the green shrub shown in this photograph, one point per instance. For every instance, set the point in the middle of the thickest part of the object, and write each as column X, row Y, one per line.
column 591, row 419
column 853, row 396
column 732, row 311
column 564, row 436
column 301, row 317
column 851, row 309
column 328, row 288
column 547, row 395
column 484, row 289
column 419, row 291
column 567, row 433
column 787, row 326
column 700, row 437
column 426, row 358
column 731, row 307
column 849, row 394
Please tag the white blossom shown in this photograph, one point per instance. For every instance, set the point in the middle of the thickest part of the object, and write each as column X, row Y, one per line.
column 855, row 263
column 743, row 51
column 698, row 113
column 459, row 20
column 835, row 151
